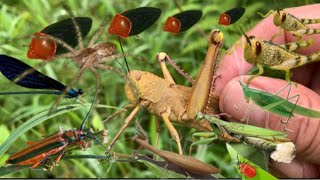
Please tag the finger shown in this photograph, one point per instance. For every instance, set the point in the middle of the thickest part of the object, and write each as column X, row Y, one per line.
column 306, row 131
column 296, row 169
column 233, row 64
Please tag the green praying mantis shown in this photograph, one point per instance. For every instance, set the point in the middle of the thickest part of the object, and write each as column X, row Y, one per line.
column 261, row 138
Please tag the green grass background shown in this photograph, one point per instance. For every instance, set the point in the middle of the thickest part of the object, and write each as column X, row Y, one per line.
column 23, row 17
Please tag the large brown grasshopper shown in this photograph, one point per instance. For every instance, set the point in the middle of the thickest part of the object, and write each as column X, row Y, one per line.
column 172, row 102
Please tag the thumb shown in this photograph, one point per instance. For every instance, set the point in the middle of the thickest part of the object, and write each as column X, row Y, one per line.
column 305, row 131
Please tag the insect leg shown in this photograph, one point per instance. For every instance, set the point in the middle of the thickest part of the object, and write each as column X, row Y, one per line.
column 129, row 106
column 35, row 164
column 260, row 67
column 97, row 34
column 55, row 105
column 310, row 21
column 166, row 74
column 308, row 31
column 291, row 112
column 297, row 45
column 172, row 130
column 126, row 123
column 76, row 26
column 58, row 158
column 162, row 57
column 209, row 137
column 157, row 133
column 246, row 116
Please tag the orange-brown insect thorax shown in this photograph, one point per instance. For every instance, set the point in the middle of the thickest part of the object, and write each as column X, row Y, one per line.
column 145, row 85
column 74, row 135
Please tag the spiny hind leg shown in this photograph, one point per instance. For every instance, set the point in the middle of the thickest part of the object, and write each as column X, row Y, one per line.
column 162, row 58
column 297, row 45
column 301, row 32
column 310, row 21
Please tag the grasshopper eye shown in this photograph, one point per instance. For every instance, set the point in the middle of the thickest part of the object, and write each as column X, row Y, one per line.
column 258, row 47
column 283, row 17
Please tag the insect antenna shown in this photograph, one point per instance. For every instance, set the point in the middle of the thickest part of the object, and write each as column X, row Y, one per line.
column 277, row 7
column 247, row 38
column 90, row 110
column 124, row 55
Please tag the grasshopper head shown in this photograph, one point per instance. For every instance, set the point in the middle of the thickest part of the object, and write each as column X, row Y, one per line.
column 252, row 49
column 133, row 85
column 279, row 17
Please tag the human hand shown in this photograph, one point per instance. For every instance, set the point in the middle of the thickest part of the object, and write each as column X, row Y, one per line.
column 306, row 130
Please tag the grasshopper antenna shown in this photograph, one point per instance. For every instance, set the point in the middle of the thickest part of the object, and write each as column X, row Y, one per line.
column 247, row 38
column 125, row 59
column 90, row 110
column 278, row 10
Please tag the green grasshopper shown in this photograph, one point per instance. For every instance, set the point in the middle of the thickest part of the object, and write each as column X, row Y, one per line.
column 274, row 56
column 239, row 130
column 276, row 104
column 292, row 24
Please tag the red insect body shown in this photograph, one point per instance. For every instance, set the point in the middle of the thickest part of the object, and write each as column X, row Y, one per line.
column 172, row 25
column 41, row 47
column 247, row 170
column 120, row 26
column 224, row 19
column 63, row 139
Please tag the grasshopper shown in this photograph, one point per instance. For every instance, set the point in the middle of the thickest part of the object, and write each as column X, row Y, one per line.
column 173, row 102
column 277, row 57
column 292, row 24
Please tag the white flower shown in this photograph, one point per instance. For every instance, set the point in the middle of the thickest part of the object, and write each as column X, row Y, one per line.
column 284, row 152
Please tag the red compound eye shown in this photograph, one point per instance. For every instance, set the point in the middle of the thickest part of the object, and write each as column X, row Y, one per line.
column 41, row 47
column 248, row 170
column 172, row 25
column 224, row 19
column 120, row 26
